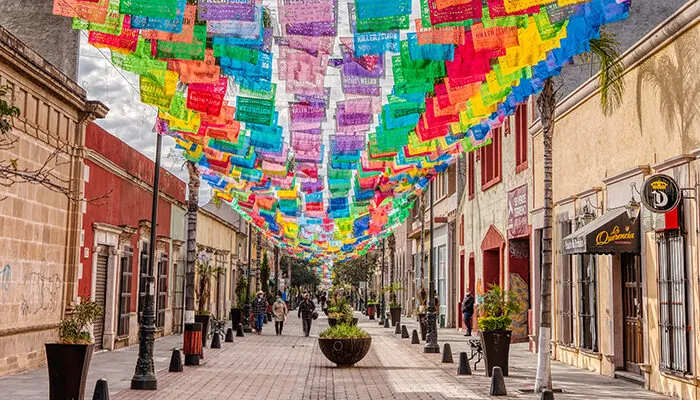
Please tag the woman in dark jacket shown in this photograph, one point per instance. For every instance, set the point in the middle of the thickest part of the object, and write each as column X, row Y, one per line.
column 306, row 312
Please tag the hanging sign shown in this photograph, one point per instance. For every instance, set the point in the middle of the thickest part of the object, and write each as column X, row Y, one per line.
column 517, row 213
column 660, row 193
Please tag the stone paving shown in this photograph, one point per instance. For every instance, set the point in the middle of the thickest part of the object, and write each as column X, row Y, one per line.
column 292, row 367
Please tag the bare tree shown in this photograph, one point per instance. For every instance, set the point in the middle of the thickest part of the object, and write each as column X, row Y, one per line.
column 47, row 175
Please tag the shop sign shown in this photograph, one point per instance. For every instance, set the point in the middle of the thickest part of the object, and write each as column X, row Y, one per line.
column 517, row 213
column 660, row 193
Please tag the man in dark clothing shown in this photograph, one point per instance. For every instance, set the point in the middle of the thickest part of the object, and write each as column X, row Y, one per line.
column 468, row 310
column 259, row 310
column 306, row 311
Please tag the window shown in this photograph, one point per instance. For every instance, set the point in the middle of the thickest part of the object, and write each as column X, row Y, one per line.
column 162, row 284
column 673, row 306
column 521, row 135
column 470, row 179
column 441, row 264
column 461, row 231
column 440, row 186
column 491, row 161
column 566, row 312
column 125, row 291
column 587, row 306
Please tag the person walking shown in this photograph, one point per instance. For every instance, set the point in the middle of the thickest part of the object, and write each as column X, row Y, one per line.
column 468, row 310
column 279, row 313
column 259, row 310
column 306, row 312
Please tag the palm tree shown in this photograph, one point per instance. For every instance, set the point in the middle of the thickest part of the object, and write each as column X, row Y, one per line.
column 192, row 209
column 606, row 55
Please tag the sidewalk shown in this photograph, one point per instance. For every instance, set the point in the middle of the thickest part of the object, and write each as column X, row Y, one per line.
column 291, row 367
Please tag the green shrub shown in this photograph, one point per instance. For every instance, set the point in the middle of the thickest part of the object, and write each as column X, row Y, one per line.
column 497, row 308
column 344, row 331
column 73, row 329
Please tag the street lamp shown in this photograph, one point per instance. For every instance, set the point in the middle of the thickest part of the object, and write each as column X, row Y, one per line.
column 633, row 210
column 431, row 345
column 246, row 307
column 381, row 289
column 144, row 377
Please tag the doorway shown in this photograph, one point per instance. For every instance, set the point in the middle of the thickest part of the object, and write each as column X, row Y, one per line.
column 632, row 312
column 101, row 294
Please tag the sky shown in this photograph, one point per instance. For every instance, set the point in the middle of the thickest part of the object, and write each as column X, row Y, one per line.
column 128, row 118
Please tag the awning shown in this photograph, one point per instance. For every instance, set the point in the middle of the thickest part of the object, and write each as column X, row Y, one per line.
column 611, row 233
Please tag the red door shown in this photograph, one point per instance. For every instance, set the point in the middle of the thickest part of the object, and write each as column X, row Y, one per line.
column 461, row 289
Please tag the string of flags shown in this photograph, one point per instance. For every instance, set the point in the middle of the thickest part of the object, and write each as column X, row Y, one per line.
column 321, row 121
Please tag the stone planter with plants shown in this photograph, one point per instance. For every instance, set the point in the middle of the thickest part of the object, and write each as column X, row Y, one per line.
column 237, row 311
column 344, row 345
column 494, row 320
column 68, row 360
column 394, row 306
column 340, row 312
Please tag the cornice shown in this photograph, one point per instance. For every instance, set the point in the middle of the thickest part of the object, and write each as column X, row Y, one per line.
column 640, row 169
column 673, row 162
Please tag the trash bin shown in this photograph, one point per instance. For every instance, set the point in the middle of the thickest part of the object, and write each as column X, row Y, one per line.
column 442, row 320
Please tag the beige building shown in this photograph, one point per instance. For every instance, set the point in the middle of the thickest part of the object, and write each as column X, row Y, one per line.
column 626, row 293
column 220, row 235
column 40, row 234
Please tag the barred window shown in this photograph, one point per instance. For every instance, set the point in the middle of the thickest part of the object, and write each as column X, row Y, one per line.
column 125, row 272
column 566, row 311
column 673, row 306
column 588, row 318
column 162, row 282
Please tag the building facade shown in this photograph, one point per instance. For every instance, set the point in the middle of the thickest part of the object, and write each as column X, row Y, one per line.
column 117, row 229
column 41, row 223
column 625, row 290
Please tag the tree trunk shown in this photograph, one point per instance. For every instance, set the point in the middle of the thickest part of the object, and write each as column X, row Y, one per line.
column 192, row 208
column 546, row 104
column 421, row 292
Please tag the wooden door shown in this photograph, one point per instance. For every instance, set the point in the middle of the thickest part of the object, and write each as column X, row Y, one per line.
column 100, row 295
column 632, row 312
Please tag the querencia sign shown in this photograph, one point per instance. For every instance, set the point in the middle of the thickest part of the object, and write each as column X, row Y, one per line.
column 517, row 213
column 660, row 193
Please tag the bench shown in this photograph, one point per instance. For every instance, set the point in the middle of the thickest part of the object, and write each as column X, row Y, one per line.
column 476, row 350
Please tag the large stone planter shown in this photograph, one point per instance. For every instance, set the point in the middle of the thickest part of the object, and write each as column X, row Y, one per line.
column 68, row 368
column 345, row 352
column 371, row 311
column 334, row 321
column 496, row 347
column 204, row 320
column 395, row 313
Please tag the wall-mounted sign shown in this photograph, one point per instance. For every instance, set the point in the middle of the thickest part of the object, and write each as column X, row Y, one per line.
column 517, row 213
column 660, row 193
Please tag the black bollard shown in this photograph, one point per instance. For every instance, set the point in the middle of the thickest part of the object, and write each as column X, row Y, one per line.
column 239, row 331
column 381, row 322
column 216, row 341
column 414, row 338
column 175, row 361
column 404, row 332
column 386, row 323
column 463, row 368
column 447, row 354
column 101, row 390
column 398, row 329
column 547, row 395
column 229, row 336
column 498, row 385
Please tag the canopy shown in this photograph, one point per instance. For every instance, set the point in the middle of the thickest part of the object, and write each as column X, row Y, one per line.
column 611, row 233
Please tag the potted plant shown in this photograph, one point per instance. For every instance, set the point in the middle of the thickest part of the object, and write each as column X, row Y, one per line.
column 394, row 306
column 495, row 318
column 68, row 360
column 340, row 312
column 237, row 312
column 205, row 272
column 372, row 307
column 344, row 345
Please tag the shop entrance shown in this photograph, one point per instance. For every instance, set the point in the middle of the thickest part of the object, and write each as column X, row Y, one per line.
column 632, row 312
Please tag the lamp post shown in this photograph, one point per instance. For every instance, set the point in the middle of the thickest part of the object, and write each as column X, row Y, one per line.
column 144, row 377
column 431, row 345
column 246, row 307
column 381, row 289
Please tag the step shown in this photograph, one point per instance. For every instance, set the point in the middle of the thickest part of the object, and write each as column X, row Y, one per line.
column 630, row 377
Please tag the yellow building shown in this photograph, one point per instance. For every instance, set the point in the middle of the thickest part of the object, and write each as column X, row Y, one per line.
column 626, row 297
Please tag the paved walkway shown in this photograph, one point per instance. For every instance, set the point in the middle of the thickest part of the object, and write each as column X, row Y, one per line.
column 292, row 367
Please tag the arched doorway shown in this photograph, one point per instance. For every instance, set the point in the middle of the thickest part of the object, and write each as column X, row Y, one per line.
column 492, row 247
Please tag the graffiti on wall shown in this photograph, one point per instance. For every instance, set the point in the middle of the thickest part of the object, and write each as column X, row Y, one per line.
column 5, row 278
column 41, row 293
column 522, row 292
